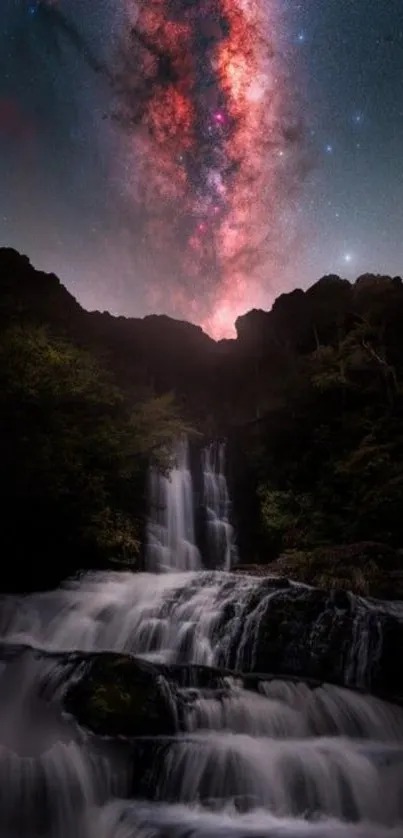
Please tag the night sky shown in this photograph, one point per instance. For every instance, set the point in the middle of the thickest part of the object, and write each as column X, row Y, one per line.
column 306, row 168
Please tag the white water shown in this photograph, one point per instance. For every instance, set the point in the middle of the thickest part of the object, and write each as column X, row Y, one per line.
column 220, row 533
column 285, row 760
column 202, row 617
column 171, row 543
column 167, row 617
column 171, row 540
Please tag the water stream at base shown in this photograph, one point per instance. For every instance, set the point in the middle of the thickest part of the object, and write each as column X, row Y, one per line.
column 284, row 760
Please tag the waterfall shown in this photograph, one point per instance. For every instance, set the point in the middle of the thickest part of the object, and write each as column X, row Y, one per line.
column 211, row 618
column 247, row 754
column 171, row 539
column 281, row 759
column 171, row 543
column 220, row 534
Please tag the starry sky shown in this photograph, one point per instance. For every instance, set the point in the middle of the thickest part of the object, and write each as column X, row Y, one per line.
column 135, row 226
column 351, row 64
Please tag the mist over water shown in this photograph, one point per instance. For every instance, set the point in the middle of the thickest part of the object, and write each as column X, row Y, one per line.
column 281, row 759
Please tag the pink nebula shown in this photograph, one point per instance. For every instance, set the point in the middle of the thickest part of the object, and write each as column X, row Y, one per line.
column 209, row 259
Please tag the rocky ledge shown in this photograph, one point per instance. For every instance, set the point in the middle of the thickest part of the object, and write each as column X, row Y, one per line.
column 121, row 696
column 366, row 568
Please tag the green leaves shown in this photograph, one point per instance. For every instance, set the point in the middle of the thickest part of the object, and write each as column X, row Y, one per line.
column 331, row 467
column 155, row 424
column 74, row 454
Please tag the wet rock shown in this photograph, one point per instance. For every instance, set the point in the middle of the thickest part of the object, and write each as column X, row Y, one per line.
column 117, row 695
column 334, row 637
column 303, row 632
column 387, row 669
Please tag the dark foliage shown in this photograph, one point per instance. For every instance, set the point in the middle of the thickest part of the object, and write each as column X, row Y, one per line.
column 74, row 448
column 310, row 397
column 328, row 444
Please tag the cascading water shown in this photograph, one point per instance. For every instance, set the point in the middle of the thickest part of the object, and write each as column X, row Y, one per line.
column 171, row 539
column 220, row 534
column 280, row 760
column 171, row 543
column 260, row 758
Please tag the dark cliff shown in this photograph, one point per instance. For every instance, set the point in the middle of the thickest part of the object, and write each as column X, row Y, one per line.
column 310, row 396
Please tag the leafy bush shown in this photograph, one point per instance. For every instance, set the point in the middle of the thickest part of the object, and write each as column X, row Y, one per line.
column 74, row 455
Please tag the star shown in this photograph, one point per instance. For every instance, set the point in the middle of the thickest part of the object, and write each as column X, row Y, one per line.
column 331, row 92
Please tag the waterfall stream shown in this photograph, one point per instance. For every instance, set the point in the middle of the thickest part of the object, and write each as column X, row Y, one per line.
column 220, row 534
column 265, row 758
column 281, row 760
column 171, row 533
column 171, row 542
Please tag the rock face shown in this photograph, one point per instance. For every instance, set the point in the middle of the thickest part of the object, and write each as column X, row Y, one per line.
column 155, row 351
column 235, row 623
column 224, row 383
column 297, row 633
column 309, row 396
column 332, row 637
column 112, row 694
column 119, row 696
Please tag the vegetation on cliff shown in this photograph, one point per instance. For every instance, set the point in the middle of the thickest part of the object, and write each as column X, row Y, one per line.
column 310, row 396
column 325, row 451
column 74, row 451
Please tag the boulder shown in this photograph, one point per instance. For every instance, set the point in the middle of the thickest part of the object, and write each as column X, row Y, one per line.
column 114, row 695
column 117, row 695
column 332, row 636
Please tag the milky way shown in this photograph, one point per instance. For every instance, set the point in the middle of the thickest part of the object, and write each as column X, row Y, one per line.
column 154, row 155
column 216, row 150
column 207, row 150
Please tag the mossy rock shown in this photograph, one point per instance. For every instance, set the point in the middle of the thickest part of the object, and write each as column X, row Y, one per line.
column 117, row 695
column 364, row 568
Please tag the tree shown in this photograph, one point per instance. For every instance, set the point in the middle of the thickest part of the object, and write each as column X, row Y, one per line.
column 74, row 456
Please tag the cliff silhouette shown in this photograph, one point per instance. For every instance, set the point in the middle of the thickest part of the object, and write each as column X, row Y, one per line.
column 309, row 395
